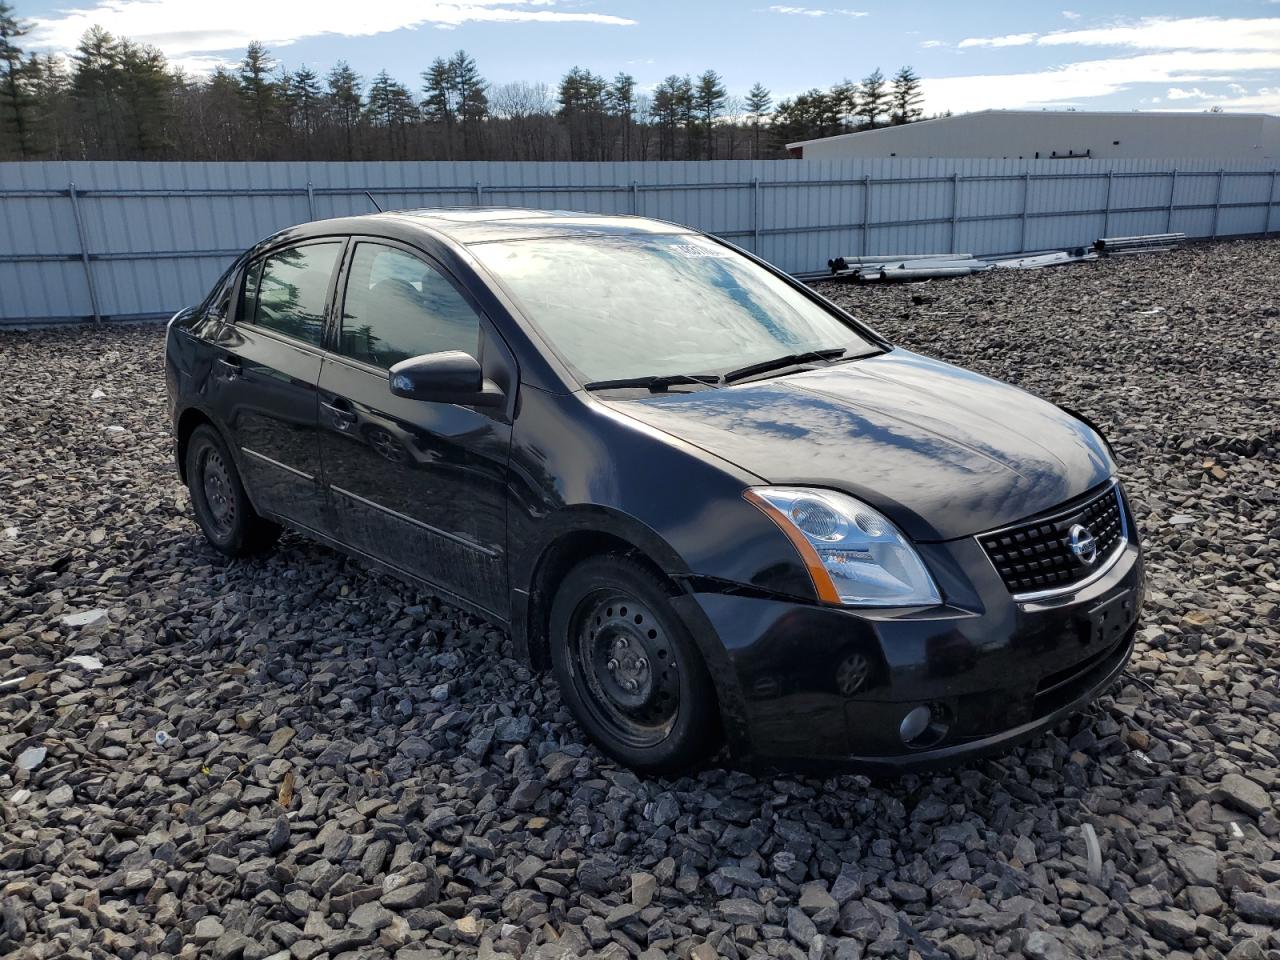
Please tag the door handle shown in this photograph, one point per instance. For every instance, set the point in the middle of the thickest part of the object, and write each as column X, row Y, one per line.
column 341, row 411
column 230, row 367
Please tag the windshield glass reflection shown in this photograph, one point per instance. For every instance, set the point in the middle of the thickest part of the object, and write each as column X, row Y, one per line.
column 644, row 305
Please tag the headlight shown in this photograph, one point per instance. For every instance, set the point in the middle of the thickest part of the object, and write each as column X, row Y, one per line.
column 855, row 556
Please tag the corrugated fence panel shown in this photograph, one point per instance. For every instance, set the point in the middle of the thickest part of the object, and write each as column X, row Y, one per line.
column 122, row 240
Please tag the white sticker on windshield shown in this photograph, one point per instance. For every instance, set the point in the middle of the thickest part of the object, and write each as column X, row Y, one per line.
column 694, row 251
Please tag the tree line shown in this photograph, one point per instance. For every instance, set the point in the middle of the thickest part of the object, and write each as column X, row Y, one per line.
column 114, row 99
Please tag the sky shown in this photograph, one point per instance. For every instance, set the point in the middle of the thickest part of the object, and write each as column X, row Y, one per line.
column 1118, row 55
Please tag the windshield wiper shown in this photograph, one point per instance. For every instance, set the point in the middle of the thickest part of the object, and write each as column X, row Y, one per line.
column 656, row 384
column 777, row 363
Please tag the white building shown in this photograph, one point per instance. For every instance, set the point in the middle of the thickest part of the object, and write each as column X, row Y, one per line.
column 1043, row 134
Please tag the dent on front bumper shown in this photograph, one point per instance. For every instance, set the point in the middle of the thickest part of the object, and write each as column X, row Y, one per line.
column 805, row 685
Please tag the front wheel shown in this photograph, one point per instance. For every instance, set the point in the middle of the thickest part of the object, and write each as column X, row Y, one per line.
column 222, row 508
column 628, row 668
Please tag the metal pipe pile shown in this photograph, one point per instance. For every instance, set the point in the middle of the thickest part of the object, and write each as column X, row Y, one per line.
column 1148, row 243
column 905, row 267
column 902, row 267
column 1049, row 258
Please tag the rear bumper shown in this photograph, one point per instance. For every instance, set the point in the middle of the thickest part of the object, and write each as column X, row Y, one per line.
column 827, row 689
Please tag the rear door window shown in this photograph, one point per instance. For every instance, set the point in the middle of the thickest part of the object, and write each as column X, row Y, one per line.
column 288, row 291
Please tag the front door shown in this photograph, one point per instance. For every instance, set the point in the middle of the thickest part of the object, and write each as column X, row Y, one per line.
column 416, row 484
column 265, row 374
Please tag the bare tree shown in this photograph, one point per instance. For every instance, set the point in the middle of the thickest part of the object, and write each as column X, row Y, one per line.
column 525, row 109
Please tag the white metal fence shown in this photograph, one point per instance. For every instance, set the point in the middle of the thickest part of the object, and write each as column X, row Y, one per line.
column 122, row 241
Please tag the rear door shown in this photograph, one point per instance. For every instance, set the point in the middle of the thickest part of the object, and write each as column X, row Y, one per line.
column 419, row 485
column 265, row 373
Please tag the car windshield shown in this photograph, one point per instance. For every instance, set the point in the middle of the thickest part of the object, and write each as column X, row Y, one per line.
column 660, row 305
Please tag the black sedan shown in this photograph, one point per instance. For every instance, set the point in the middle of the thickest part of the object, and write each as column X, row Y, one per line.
column 718, row 507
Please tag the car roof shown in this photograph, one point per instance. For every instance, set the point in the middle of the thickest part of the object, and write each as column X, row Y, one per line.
column 468, row 225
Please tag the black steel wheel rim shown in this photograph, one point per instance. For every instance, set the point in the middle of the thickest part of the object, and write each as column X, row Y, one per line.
column 220, row 501
column 625, row 667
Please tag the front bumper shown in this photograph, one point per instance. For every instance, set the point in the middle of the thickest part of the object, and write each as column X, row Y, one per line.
column 826, row 688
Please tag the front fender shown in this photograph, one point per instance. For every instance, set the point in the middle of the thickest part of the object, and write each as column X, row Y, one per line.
column 600, row 524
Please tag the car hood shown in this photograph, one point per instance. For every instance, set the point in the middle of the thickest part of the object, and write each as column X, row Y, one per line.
column 943, row 452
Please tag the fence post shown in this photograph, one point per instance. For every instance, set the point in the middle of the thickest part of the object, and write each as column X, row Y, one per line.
column 1106, row 213
column 84, row 253
column 311, row 200
column 866, row 213
column 955, row 209
column 1173, row 191
column 755, row 215
column 635, row 198
column 479, row 194
column 1217, row 203
column 1026, row 203
column 1271, row 202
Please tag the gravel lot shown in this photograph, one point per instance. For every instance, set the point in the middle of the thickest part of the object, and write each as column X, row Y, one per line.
column 297, row 757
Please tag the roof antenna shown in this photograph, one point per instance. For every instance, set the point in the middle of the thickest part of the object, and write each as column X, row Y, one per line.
column 373, row 201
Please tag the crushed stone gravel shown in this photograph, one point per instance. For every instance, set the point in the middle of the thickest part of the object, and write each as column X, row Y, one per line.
column 294, row 757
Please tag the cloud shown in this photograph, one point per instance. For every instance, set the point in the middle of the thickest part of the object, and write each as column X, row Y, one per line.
column 201, row 66
column 814, row 12
column 1262, row 100
column 929, row 44
column 1177, row 93
column 1070, row 15
column 1009, row 40
column 180, row 27
column 1156, row 33
column 1082, row 81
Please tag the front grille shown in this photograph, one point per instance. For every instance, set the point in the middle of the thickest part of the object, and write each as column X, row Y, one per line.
column 1037, row 555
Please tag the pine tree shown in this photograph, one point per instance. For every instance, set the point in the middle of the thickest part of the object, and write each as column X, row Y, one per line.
column 391, row 107
column 473, row 102
column 844, row 96
column 95, row 89
column 17, row 102
column 260, row 92
column 146, row 96
column 301, row 93
column 345, row 103
column 873, row 99
column 621, row 99
column 438, row 106
column 582, row 111
column 814, row 113
column 759, row 100
column 457, row 101
column 50, row 86
column 905, row 97
column 708, row 101
column 223, row 126
column 673, row 108
column 378, row 108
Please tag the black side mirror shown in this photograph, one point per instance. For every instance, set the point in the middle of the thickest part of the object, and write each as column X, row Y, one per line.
column 450, row 376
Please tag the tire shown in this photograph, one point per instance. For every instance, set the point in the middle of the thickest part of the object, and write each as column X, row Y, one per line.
column 629, row 670
column 222, row 508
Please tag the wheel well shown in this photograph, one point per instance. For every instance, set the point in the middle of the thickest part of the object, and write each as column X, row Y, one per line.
column 187, row 424
column 556, row 561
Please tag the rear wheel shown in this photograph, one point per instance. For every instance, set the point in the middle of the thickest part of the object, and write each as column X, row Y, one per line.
column 628, row 668
column 222, row 508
